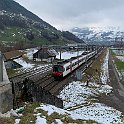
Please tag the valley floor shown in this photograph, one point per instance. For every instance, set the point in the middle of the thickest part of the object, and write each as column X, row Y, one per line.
column 96, row 100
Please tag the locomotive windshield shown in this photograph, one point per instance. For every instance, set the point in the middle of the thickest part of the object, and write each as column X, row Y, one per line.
column 57, row 68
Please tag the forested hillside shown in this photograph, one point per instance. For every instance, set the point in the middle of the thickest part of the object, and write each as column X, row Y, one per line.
column 21, row 28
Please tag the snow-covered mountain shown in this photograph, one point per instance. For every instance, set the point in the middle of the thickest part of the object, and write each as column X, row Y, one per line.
column 99, row 35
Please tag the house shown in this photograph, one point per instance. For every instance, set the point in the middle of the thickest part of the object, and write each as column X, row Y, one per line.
column 45, row 54
column 9, row 57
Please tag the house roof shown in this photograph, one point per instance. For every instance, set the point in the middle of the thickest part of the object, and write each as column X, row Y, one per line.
column 12, row 55
column 51, row 52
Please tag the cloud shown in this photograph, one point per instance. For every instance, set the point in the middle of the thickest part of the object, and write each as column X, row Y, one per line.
column 65, row 14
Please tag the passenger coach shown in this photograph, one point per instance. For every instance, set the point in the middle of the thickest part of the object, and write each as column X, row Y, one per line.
column 61, row 69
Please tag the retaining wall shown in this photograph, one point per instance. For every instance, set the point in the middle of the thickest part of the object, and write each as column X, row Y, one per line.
column 35, row 93
column 6, row 97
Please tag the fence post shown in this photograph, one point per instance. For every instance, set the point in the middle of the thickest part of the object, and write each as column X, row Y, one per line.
column 1, row 67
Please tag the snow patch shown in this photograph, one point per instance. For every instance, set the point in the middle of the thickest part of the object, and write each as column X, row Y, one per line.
column 120, row 58
column 68, row 55
column 41, row 120
column 17, row 121
column 24, row 63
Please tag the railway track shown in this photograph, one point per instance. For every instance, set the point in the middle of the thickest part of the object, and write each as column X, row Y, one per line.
column 42, row 77
column 47, row 82
column 57, row 88
column 32, row 73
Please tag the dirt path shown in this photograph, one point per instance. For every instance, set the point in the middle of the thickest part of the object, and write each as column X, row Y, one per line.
column 116, row 98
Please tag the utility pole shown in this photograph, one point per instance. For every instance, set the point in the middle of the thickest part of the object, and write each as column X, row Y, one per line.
column 121, row 44
column 77, row 50
column 60, row 53
column 1, row 67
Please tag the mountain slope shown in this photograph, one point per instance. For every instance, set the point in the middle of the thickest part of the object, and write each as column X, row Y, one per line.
column 14, row 7
column 22, row 28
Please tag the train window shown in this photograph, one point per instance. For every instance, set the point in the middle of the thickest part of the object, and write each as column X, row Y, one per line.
column 68, row 67
column 57, row 68
column 77, row 63
column 73, row 64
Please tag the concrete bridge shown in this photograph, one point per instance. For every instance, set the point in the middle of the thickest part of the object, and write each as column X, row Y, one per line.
column 84, row 47
column 6, row 97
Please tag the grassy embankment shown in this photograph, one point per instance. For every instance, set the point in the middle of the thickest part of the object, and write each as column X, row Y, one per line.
column 94, row 71
column 29, row 117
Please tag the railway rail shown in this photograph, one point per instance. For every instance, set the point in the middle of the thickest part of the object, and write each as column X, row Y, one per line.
column 32, row 73
column 71, row 77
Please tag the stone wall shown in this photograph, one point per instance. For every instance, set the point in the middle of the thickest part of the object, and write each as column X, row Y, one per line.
column 33, row 91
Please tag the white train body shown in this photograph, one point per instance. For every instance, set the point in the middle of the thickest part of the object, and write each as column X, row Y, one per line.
column 64, row 68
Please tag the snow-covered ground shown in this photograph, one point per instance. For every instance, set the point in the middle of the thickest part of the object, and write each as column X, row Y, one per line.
column 68, row 55
column 30, row 52
column 81, row 103
column 80, row 99
column 28, row 65
column 104, row 68
column 41, row 118
column 23, row 63
column 118, row 52
column 51, row 109
column 121, row 58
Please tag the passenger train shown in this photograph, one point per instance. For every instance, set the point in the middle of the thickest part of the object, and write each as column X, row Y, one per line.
column 61, row 69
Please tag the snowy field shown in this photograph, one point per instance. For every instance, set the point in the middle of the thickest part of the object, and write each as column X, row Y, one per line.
column 29, row 52
column 68, row 55
column 121, row 58
column 80, row 99
column 118, row 52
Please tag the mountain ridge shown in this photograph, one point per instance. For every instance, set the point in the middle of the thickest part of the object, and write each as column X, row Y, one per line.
column 99, row 35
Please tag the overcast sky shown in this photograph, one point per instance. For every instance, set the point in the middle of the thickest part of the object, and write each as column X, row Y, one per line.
column 66, row 14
